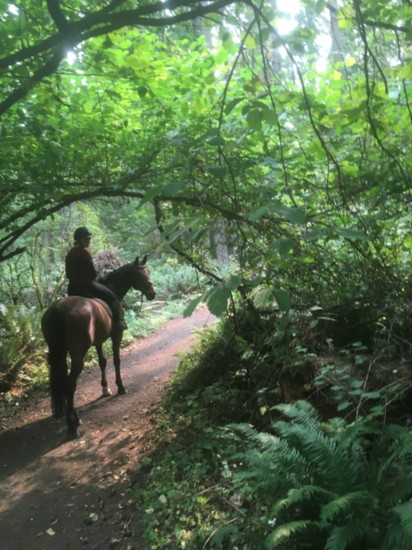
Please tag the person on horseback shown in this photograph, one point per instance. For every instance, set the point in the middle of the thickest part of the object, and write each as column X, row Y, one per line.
column 82, row 275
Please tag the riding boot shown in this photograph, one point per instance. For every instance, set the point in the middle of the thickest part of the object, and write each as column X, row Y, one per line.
column 119, row 324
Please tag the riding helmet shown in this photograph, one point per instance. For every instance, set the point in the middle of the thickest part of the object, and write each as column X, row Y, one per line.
column 80, row 233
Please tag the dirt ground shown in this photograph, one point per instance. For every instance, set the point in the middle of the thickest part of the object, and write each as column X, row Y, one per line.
column 57, row 493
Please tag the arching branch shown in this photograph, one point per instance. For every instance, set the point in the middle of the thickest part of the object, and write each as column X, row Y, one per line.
column 71, row 34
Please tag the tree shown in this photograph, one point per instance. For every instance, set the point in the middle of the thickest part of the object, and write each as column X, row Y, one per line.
column 286, row 154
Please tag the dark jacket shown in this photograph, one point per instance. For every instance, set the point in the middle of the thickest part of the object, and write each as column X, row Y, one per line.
column 79, row 266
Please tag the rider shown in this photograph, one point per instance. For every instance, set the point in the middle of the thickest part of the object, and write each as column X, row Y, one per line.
column 82, row 275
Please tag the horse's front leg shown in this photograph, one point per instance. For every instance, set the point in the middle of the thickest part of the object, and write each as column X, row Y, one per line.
column 116, row 341
column 102, row 364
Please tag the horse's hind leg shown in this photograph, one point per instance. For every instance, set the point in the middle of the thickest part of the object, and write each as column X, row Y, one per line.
column 72, row 418
column 102, row 364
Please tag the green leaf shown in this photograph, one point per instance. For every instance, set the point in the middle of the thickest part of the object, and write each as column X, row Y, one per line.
column 232, row 104
column 350, row 61
column 250, row 42
column 352, row 234
column 269, row 116
column 256, row 215
column 372, row 395
column 189, row 309
column 254, row 119
column 283, row 299
column 261, row 296
column 343, row 406
column 314, row 235
column 149, row 195
column 293, row 214
column 233, row 282
column 218, row 140
column 171, row 189
column 216, row 170
column 344, row 22
column 217, row 303
column 283, row 246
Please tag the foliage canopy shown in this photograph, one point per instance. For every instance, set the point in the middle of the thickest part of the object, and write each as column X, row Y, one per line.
column 293, row 153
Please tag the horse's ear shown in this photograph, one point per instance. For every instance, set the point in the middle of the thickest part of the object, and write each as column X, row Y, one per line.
column 137, row 262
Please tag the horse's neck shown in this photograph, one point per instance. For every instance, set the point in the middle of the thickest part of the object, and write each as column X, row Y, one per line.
column 119, row 289
column 117, row 284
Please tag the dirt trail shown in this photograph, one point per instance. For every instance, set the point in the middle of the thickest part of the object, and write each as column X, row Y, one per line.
column 56, row 493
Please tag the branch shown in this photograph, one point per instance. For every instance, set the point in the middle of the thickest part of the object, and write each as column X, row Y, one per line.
column 71, row 34
column 388, row 26
column 56, row 14
column 179, row 252
column 48, row 68
column 44, row 212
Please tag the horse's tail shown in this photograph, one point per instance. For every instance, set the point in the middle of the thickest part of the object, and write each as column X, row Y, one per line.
column 54, row 330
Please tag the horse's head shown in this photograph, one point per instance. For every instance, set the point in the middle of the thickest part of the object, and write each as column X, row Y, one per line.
column 141, row 278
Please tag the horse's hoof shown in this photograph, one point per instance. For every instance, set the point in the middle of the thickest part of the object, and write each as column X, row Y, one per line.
column 121, row 391
column 73, row 434
column 106, row 392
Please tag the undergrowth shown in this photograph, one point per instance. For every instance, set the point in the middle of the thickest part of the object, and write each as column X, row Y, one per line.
column 246, row 461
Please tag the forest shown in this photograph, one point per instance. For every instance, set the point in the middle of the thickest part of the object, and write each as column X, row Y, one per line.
column 260, row 154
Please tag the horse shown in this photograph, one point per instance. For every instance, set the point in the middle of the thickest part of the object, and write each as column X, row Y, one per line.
column 73, row 324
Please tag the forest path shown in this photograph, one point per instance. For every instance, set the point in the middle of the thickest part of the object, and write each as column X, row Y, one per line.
column 57, row 493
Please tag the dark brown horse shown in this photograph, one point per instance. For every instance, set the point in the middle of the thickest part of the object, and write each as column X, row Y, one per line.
column 73, row 324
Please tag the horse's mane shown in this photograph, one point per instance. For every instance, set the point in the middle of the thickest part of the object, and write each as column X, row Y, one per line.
column 114, row 274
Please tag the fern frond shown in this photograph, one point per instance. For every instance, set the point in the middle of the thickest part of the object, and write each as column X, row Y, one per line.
column 327, row 461
column 348, row 503
column 397, row 443
column 299, row 495
column 244, row 430
column 286, row 531
column 268, row 454
column 342, row 537
column 282, row 455
column 404, row 513
column 398, row 492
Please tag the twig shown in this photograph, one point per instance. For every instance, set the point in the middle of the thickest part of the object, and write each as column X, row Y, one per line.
column 216, row 530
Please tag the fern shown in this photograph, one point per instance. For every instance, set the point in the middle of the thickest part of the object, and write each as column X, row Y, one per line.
column 328, row 461
column 285, row 532
column 297, row 496
column 342, row 537
column 399, row 491
column 301, row 411
column 348, row 504
column 349, row 483
column 404, row 512
column 399, row 535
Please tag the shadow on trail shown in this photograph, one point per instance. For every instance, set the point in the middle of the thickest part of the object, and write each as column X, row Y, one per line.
column 58, row 508
column 22, row 446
